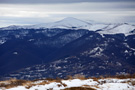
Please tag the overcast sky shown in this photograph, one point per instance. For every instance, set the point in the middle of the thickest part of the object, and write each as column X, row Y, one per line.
column 22, row 12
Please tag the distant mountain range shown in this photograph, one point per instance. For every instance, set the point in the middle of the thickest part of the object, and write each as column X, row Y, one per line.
column 66, row 47
column 73, row 23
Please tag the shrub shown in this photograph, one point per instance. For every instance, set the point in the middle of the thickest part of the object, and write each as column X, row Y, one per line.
column 49, row 79
column 69, row 77
column 79, row 76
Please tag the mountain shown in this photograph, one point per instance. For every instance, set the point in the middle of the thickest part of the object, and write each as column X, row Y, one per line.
column 125, row 28
column 66, row 23
column 33, row 53
column 73, row 23
column 69, row 23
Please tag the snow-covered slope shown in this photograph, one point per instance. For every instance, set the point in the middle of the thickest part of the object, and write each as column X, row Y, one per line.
column 95, row 27
column 118, row 28
column 90, row 84
column 73, row 23
column 67, row 23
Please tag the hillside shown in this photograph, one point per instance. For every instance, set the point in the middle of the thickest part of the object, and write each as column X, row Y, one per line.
column 80, row 83
column 32, row 53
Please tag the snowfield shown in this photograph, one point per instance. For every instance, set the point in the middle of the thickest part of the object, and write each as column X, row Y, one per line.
column 95, row 84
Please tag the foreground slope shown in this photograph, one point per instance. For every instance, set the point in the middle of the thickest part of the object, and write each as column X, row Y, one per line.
column 71, row 84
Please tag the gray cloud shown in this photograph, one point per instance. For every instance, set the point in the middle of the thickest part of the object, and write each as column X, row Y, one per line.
column 56, row 1
column 22, row 12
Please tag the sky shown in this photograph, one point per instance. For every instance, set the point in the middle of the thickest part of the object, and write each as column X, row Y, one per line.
column 26, row 12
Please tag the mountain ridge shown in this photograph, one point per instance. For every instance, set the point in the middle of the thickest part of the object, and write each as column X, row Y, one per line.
column 73, row 23
column 105, row 49
column 62, row 52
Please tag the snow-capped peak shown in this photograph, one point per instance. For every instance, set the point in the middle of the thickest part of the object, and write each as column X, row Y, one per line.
column 73, row 23
column 69, row 23
column 72, row 20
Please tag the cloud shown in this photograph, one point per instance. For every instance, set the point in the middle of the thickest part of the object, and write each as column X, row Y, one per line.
column 40, row 13
column 56, row 1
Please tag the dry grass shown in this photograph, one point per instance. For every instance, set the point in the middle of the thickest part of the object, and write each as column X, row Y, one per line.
column 133, row 82
column 125, row 76
column 43, row 83
column 64, row 84
column 28, row 84
column 46, row 81
column 79, row 76
column 13, row 83
column 96, row 86
column 95, row 79
column 79, row 88
column 69, row 77
column 86, row 86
